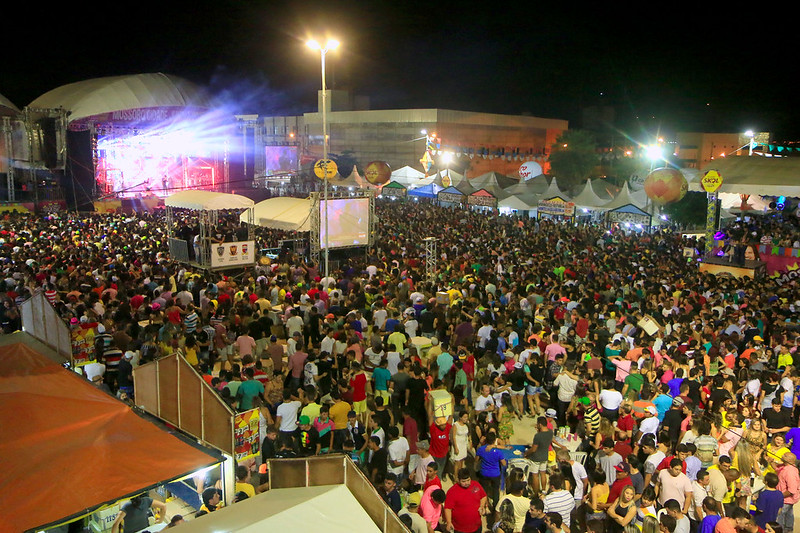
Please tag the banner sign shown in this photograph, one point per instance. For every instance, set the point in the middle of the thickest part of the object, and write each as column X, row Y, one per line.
column 557, row 207
column 233, row 254
column 246, row 428
column 484, row 200
column 83, row 343
column 394, row 191
column 450, row 197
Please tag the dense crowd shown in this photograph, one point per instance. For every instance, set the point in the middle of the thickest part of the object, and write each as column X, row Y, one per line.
column 428, row 382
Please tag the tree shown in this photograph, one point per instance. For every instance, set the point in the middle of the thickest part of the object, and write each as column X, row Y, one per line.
column 690, row 211
column 573, row 157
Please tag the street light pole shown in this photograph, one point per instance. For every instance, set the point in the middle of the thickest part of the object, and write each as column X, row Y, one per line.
column 330, row 45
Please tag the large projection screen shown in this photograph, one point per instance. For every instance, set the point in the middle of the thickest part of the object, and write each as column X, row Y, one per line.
column 348, row 223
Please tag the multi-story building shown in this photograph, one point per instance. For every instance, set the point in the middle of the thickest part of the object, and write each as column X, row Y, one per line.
column 468, row 142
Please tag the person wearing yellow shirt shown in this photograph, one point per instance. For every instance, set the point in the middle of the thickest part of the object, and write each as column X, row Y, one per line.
column 243, row 481
column 785, row 358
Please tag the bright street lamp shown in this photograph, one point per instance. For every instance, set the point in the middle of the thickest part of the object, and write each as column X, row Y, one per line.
column 330, row 45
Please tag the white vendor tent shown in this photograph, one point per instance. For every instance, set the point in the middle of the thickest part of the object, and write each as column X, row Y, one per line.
column 492, row 181
column 207, row 201
column 588, row 198
column 411, row 177
column 448, row 178
column 536, row 185
column 756, row 175
column 733, row 201
column 283, row 213
column 329, row 508
column 626, row 198
column 553, row 191
column 514, row 203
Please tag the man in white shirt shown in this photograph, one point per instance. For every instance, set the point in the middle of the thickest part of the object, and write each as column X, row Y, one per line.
column 286, row 417
column 399, row 452
column 485, row 402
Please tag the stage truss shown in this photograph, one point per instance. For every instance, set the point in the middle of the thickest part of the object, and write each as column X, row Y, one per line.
column 431, row 257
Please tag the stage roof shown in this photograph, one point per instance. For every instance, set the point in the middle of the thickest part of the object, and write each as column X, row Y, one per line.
column 208, row 201
column 117, row 93
column 757, row 175
column 69, row 448
column 6, row 107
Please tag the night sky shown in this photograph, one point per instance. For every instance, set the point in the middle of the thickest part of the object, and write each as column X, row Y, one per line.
column 669, row 66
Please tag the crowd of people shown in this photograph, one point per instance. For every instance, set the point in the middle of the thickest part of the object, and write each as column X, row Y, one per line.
column 452, row 380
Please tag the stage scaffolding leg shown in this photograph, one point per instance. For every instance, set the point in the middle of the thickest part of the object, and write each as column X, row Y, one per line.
column 431, row 257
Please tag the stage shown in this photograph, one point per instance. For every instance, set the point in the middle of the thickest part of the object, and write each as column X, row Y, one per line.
column 723, row 266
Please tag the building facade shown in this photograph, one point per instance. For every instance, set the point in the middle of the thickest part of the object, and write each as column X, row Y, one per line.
column 466, row 142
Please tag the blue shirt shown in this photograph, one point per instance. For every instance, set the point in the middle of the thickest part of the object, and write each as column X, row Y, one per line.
column 709, row 523
column 675, row 387
column 445, row 363
column 663, row 404
column 769, row 502
column 381, row 376
column 490, row 461
column 793, row 435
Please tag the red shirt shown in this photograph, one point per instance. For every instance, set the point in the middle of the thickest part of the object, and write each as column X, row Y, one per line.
column 625, row 424
column 465, row 505
column 359, row 385
column 665, row 464
column 616, row 488
column 440, row 441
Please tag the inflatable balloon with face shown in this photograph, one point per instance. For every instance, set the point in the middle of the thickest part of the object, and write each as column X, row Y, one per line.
column 665, row 186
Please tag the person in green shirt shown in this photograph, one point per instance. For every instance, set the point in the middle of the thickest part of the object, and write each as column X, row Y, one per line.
column 633, row 383
column 249, row 390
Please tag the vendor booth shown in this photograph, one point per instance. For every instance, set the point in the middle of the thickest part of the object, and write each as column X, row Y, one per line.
column 70, row 450
column 426, row 191
column 482, row 199
column 629, row 216
column 394, row 189
column 451, row 196
column 208, row 252
column 556, row 207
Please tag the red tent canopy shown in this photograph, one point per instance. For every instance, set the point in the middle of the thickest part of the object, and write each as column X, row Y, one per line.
column 68, row 447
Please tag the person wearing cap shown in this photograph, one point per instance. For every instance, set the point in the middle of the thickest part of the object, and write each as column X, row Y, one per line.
column 648, row 425
column 673, row 419
column 125, row 374
column 418, row 522
column 623, row 479
column 308, row 442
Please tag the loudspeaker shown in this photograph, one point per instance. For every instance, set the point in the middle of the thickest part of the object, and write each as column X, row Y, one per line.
column 49, row 150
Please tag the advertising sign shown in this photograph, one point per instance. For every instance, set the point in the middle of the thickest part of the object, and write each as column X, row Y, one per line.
column 482, row 198
column 529, row 169
column 233, row 254
column 246, row 427
column 325, row 166
column 711, row 181
column 556, row 206
column 83, row 343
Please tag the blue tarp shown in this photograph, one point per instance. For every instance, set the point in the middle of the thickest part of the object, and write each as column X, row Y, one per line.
column 427, row 191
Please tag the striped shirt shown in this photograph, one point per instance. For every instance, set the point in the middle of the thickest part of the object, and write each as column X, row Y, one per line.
column 190, row 321
column 561, row 502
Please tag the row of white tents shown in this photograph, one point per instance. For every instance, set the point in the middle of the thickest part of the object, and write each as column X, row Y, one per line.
column 514, row 194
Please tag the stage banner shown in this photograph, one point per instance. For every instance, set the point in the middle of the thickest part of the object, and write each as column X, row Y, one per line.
column 246, row 428
column 233, row 254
